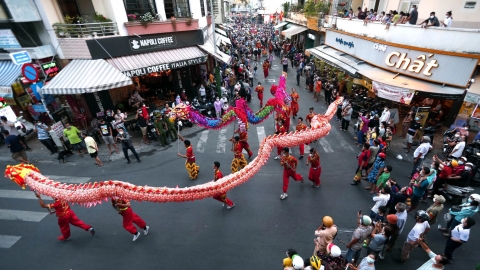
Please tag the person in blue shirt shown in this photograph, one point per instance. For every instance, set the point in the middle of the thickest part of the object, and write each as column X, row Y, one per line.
column 17, row 147
column 420, row 187
column 43, row 136
column 468, row 209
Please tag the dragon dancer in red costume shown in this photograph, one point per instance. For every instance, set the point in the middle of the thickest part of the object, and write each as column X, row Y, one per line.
column 280, row 130
column 310, row 116
column 315, row 168
column 279, row 117
column 243, row 134
column 222, row 197
column 66, row 216
column 289, row 164
column 259, row 89
column 294, row 104
column 286, row 115
column 192, row 168
column 266, row 66
column 239, row 161
column 301, row 126
column 129, row 217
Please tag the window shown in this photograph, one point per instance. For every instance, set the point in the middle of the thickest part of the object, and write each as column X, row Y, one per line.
column 202, row 6
column 177, row 8
column 140, row 6
column 470, row 4
column 69, row 8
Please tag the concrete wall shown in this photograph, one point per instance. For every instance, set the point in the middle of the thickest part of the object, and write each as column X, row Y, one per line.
column 115, row 11
column 460, row 40
column 50, row 14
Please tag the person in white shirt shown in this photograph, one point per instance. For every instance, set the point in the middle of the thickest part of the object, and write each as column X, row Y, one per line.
column 420, row 153
column 413, row 238
column 435, row 262
column 380, row 200
column 401, row 221
column 385, row 115
column 447, row 23
column 458, row 149
column 459, row 235
column 202, row 92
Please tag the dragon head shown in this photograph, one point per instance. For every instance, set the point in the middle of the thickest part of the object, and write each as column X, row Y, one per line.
column 17, row 173
column 180, row 111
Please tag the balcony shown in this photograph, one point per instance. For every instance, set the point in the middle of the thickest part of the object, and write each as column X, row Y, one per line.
column 156, row 27
column 458, row 40
column 85, row 30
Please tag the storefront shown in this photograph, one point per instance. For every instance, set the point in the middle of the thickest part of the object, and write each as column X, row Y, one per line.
column 469, row 113
column 296, row 34
column 406, row 75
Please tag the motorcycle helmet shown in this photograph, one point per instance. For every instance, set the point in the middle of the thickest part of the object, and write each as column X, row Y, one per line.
column 422, row 215
column 315, row 262
column 297, row 262
column 327, row 221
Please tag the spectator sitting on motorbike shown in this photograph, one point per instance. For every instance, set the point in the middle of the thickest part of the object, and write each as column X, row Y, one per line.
column 463, row 130
column 462, row 179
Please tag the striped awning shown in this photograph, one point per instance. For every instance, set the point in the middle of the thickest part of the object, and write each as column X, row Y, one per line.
column 221, row 32
column 280, row 25
column 222, row 39
column 208, row 47
column 145, row 63
column 9, row 72
column 294, row 30
column 86, row 76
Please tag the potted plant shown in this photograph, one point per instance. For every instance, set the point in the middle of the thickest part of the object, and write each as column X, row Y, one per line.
column 132, row 17
column 189, row 19
column 174, row 22
column 146, row 18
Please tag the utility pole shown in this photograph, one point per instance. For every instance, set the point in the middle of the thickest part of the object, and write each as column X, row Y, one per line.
column 213, row 25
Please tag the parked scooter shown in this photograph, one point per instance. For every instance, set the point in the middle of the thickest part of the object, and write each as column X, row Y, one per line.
column 151, row 130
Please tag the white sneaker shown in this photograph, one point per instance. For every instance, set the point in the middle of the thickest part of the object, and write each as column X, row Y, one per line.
column 145, row 232
column 135, row 236
column 276, row 158
column 230, row 207
column 312, row 184
column 316, row 186
column 223, row 205
column 283, row 196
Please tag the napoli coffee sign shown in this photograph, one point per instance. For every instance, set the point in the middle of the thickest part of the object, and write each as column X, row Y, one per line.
column 165, row 66
column 141, row 44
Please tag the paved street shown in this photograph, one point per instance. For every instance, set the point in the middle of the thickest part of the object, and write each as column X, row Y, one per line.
column 201, row 234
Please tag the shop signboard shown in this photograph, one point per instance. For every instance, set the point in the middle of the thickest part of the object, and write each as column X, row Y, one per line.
column 8, row 39
column 6, row 92
column 435, row 67
column 98, row 101
column 23, row 100
column 57, row 128
column 390, row 92
column 128, row 45
column 39, row 108
column 8, row 112
column 164, row 67
column 50, row 69
column 20, row 58
column 472, row 98
column 423, row 112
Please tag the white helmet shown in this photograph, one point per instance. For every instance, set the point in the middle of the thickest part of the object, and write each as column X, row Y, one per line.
column 297, row 262
column 335, row 251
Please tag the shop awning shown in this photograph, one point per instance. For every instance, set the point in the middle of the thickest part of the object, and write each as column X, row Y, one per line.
column 223, row 39
column 332, row 58
column 227, row 27
column 221, row 32
column 296, row 29
column 145, row 63
column 423, row 88
column 280, row 25
column 219, row 55
column 9, row 72
column 86, row 76
column 473, row 92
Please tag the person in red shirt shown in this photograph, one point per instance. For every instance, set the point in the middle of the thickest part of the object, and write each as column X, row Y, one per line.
column 259, row 89
column 286, row 115
column 66, row 216
column 309, row 117
column 243, row 134
column 363, row 159
column 192, row 168
column 289, row 164
column 129, row 217
column 239, row 161
column 301, row 126
column 221, row 197
column 280, row 130
column 315, row 168
column 278, row 118
column 294, row 104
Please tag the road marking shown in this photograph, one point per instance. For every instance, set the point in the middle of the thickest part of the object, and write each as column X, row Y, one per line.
column 202, row 142
column 270, row 80
column 346, row 145
column 17, row 194
column 7, row 241
column 69, row 179
column 221, row 141
column 22, row 215
column 261, row 134
column 325, row 145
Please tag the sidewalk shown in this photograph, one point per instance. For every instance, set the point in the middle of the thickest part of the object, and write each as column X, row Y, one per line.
column 41, row 155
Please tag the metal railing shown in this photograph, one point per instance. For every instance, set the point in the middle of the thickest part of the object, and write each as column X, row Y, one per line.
column 85, row 30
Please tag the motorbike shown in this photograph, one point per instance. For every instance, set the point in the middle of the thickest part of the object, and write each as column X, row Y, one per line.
column 204, row 108
column 455, row 194
column 151, row 130
column 430, row 131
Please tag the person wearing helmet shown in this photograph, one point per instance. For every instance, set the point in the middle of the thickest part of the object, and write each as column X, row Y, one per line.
column 463, row 178
column 468, row 209
column 325, row 234
column 293, row 260
column 315, row 263
column 359, row 235
column 420, row 153
column 414, row 236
